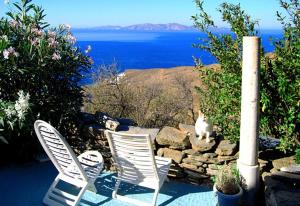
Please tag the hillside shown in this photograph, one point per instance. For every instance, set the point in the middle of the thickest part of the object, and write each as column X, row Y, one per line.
column 171, row 80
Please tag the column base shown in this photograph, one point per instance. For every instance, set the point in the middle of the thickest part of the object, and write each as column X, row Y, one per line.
column 250, row 177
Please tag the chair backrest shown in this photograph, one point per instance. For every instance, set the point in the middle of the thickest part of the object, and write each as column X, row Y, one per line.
column 58, row 150
column 133, row 154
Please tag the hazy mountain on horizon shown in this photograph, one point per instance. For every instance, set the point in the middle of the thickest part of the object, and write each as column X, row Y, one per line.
column 171, row 27
column 141, row 27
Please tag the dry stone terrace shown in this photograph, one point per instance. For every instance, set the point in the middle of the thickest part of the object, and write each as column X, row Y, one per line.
column 195, row 161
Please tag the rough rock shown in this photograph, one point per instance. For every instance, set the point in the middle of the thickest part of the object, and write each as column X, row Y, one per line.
column 192, row 162
column 189, row 166
column 261, row 161
column 225, row 148
column 160, row 152
column 176, row 171
column 201, row 145
column 189, row 129
column 204, row 159
column 190, row 151
column 213, row 166
column 268, row 142
column 283, row 162
column 140, row 130
column 210, row 155
column 274, row 170
column 211, row 172
column 295, row 169
column 106, row 121
column 226, row 158
column 175, row 155
column 173, row 137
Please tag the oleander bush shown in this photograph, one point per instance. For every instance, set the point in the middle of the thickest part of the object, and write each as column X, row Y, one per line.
column 44, row 63
column 279, row 83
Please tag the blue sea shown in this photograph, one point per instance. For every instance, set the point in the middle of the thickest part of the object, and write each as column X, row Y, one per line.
column 143, row 49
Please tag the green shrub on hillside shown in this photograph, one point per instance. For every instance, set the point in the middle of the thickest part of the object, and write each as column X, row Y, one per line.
column 279, row 81
column 42, row 62
column 221, row 94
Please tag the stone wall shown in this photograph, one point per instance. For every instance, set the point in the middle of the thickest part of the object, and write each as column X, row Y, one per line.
column 193, row 160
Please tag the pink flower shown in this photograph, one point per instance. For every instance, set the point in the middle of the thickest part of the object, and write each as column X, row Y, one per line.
column 13, row 23
column 65, row 26
column 34, row 42
column 56, row 56
column 52, row 42
column 37, row 31
column 5, row 54
column 71, row 39
column 10, row 51
column 51, row 34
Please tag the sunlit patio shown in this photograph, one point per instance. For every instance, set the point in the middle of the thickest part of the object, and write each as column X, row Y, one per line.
column 27, row 185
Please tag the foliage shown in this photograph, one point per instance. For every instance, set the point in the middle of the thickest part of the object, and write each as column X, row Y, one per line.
column 42, row 62
column 13, row 114
column 280, row 89
column 221, row 94
column 279, row 83
column 297, row 156
column 148, row 105
column 228, row 179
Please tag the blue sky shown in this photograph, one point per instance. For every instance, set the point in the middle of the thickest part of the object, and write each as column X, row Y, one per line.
column 91, row 13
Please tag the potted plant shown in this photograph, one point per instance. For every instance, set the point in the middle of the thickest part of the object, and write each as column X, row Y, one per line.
column 228, row 186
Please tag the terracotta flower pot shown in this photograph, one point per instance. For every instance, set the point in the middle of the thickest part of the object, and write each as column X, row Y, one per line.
column 228, row 200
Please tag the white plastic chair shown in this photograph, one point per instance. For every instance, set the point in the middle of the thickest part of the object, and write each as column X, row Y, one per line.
column 136, row 163
column 80, row 172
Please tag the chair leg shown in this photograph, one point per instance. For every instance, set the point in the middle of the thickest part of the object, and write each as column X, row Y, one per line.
column 155, row 197
column 53, row 185
column 114, row 194
column 67, row 198
column 92, row 188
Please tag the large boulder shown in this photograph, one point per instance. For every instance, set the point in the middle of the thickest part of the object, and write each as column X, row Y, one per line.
column 283, row 162
column 175, row 155
column 189, row 129
column 225, row 148
column 201, row 145
column 140, row 130
column 172, row 137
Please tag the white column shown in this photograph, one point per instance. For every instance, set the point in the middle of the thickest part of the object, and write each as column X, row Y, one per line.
column 248, row 154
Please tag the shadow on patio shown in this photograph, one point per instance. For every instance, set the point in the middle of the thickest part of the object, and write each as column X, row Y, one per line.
column 28, row 184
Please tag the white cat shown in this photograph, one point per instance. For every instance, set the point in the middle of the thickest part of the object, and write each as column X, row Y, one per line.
column 203, row 127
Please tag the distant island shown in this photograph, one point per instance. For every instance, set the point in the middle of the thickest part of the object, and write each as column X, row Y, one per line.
column 142, row 27
column 170, row 27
